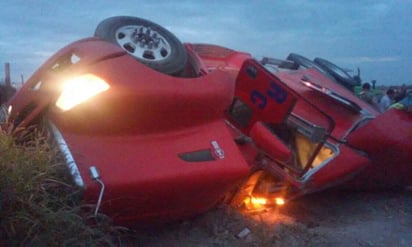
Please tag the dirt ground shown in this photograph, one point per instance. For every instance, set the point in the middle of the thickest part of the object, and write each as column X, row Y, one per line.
column 323, row 219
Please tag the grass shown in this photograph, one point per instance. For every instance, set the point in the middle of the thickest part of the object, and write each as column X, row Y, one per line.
column 39, row 204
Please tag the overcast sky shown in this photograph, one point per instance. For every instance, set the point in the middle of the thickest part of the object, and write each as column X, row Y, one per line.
column 374, row 35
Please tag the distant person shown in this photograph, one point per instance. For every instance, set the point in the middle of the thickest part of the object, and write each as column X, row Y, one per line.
column 386, row 100
column 366, row 93
column 401, row 94
column 405, row 103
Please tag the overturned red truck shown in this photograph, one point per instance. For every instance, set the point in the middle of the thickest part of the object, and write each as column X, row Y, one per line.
column 154, row 130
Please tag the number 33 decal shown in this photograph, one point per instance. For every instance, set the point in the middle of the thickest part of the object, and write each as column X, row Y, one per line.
column 275, row 92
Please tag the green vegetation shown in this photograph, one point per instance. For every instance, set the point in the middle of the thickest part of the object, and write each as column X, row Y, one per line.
column 39, row 204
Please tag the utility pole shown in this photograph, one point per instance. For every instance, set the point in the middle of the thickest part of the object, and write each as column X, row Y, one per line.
column 7, row 80
column 6, row 90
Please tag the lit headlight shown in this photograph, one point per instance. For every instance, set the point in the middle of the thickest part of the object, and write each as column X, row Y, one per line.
column 79, row 89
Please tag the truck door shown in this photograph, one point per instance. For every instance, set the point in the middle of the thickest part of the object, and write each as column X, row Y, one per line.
column 259, row 96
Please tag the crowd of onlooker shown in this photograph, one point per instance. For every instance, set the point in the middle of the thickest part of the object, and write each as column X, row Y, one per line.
column 399, row 98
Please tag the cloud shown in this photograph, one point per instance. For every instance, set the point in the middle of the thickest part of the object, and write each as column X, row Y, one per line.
column 368, row 59
column 379, row 59
column 352, row 33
